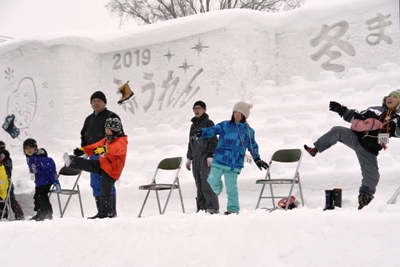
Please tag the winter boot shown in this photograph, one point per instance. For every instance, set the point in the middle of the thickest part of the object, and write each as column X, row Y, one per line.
column 105, row 207
column 229, row 212
column 337, row 197
column 329, row 198
column 312, row 151
column 126, row 92
column 212, row 211
column 35, row 217
column 363, row 200
column 9, row 126
column 46, row 215
column 113, row 206
column 16, row 208
column 42, row 215
column 97, row 199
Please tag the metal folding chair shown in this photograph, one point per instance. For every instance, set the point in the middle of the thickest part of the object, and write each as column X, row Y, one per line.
column 5, row 187
column 167, row 164
column 282, row 156
column 65, row 171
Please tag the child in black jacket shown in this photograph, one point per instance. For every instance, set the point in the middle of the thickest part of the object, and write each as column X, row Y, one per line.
column 366, row 144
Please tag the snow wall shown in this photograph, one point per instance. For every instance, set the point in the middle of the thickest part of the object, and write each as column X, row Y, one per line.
column 47, row 80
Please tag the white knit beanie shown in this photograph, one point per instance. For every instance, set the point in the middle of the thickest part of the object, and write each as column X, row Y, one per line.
column 243, row 108
column 396, row 93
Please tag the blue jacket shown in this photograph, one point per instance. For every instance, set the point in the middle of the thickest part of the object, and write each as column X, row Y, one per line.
column 230, row 150
column 43, row 167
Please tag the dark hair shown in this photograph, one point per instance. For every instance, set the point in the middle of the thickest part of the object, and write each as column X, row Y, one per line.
column 30, row 143
column 200, row 103
column 242, row 120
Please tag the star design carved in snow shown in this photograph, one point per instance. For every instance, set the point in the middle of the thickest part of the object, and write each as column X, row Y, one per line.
column 169, row 55
column 185, row 66
column 9, row 73
column 199, row 47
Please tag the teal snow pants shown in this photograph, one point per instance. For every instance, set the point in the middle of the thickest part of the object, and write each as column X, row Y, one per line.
column 214, row 179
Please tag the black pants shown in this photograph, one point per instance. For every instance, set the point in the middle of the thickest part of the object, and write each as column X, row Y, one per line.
column 93, row 166
column 206, row 198
column 89, row 165
column 106, row 205
column 1, row 210
column 41, row 199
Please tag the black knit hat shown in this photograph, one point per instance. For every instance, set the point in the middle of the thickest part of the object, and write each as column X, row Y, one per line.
column 2, row 145
column 200, row 103
column 100, row 95
column 30, row 143
column 115, row 125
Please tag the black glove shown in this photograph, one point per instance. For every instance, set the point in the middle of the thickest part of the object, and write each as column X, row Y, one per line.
column 78, row 151
column 261, row 164
column 336, row 107
column 196, row 133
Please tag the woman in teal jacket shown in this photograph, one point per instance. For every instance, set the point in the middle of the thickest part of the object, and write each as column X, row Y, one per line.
column 235, row 136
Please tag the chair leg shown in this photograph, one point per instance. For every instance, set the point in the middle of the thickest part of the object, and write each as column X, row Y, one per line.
column 180, row 195
column 395, row 195
column 144, row 203
column 59, row 206
column 301, row 195
column 158, row 202
column 80, row 201
column 66, row 204
column 166, row 202
column 272, row 196
column 259, row 198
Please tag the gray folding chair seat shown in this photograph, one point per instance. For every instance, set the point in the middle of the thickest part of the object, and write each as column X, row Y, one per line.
column 290, row 156
column 69, row 172
column 167, row 164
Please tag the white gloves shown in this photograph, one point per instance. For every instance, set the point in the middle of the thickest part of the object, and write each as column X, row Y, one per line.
column 188, row 164
column 209, row 160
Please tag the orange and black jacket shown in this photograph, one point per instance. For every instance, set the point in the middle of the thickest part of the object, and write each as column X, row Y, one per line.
column 113, row 161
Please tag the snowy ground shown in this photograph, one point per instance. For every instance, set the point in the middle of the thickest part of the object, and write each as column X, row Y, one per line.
column 302, row 237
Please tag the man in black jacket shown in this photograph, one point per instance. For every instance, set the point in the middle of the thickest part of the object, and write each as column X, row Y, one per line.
column 199, row 157
column 92, row 132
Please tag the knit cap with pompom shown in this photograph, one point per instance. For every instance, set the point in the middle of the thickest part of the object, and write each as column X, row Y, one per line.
column 243, row 108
